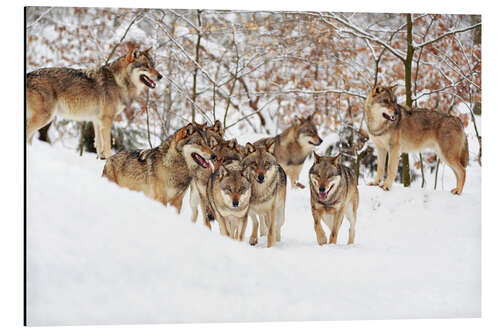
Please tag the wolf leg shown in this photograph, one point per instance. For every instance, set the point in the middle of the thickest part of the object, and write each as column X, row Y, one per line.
column 97, row 138
column 459, row 172
column 105, row 130
column 255, row 225
column 280, row 219
column 381, row 157
column 194, row 200
column 320, row 234
column 242, row 227
column 293, row 171
column 271, row 218
column 350, row 213
column 392, row 169
column 337, row 222
column 36, row 121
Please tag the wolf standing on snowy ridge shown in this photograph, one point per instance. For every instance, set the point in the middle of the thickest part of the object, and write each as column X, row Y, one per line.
column 395, row 129
column 96, row 95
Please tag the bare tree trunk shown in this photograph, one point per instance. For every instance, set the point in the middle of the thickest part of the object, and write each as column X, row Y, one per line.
column 197, row 56
column 436, row 176
column 408, row 62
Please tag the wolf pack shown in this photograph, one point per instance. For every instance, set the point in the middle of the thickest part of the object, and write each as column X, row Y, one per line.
column 229, row 182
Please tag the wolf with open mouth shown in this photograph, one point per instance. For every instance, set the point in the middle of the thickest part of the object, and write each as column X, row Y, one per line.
column 96, row 95
column 164, row 172
column 334, row 193
column 395, row 129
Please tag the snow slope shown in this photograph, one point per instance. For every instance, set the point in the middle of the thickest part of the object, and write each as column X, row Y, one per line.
column 100, row 254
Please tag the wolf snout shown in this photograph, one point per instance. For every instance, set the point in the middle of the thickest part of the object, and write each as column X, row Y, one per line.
column 260, row 178
column 322, row 189
column 235, row 203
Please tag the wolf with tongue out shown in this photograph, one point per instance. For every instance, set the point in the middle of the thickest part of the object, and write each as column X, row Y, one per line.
column 334, row 193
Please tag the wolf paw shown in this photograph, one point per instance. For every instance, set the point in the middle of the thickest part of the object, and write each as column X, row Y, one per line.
column 456, row 191
column 321, row 239
column 373, row 183
column 385, row 187
column 253, row 240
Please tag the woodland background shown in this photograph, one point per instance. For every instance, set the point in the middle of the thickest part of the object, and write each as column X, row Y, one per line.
column 257, row 71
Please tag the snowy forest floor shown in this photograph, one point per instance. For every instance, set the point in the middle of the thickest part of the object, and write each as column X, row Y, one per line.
column 100, row 254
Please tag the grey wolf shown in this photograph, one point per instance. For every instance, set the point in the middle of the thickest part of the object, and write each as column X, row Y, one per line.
column 267, row 201
column 96, row 95
column 223, row 150
column 165, row 172
column 395, row 129
column 334, row 193
column 229, row 191
column 293, row 146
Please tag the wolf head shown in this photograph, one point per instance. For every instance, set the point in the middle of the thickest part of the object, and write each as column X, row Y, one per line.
column 306, row 132
column 228, row 152
column 192, row 143
column 141, row 69
column 234, row 185
column 261, row 162
column 325, row 175
column 383, row 101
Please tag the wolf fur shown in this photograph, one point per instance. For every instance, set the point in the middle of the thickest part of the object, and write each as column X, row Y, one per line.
column 293, row 146
column 96, row 95
column 395, row 129
column 165, row 172
column 229, row 191
column 334, row 193
column 267, row 202
column 198, row 189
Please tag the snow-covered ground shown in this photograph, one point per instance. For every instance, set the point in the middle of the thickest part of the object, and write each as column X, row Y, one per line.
column 100, row 254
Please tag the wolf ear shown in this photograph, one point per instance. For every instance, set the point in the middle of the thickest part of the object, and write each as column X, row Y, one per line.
column 185, row 132
column 233, row 143
column 132, row 55
column 270, row 147
column 218, row 127
column 336, row 160
column 316, row 157
column 249, row 148
column 200, row 126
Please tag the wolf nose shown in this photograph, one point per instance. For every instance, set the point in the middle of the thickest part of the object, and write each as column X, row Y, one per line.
column 235, row 203
column 321, row 189
column 159, row 76
column 213, row 156
column 260, row 178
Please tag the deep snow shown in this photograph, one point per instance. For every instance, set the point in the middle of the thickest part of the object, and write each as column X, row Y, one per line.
column 100, row 254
